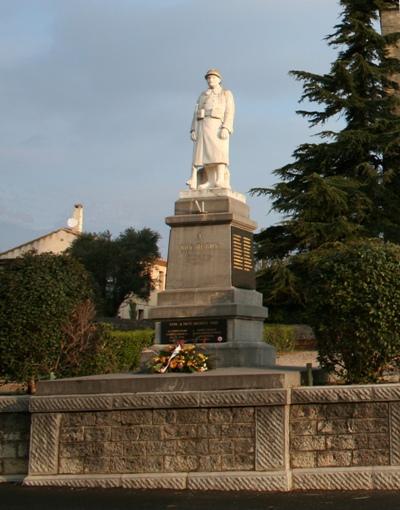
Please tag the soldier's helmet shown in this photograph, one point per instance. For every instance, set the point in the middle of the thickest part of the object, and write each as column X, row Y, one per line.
column 214, row 72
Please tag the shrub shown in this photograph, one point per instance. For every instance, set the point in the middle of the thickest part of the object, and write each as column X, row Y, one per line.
column 86, row 346
column 353, row 303
column 281, row 336
column 37, row 296
column 101, row 349
column 128, row 346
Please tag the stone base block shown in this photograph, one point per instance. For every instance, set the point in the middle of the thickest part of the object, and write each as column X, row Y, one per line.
column 174, row 481
column 77, row 481
column 246, row 331
column 207, row 194
column 241, row 354
column 224, row 303
column 347, row 479
column 209, row 297
column 97, row 391
column 225, row 481
column 217, row 311
column 243, row 331
column 239, row 481
column 342, row 479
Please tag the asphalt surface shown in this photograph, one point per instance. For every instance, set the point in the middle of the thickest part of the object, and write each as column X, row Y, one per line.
column 14, row 497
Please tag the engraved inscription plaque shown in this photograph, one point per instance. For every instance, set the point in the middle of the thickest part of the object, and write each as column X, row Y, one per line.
column 243, row 275
column 198, row 257
column 196, row 331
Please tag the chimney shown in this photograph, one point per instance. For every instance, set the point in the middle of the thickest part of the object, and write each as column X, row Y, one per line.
column 77, row 219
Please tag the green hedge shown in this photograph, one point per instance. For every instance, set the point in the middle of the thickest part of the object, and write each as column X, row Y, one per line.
column 128, row 346
column 281, row 336
column 38, row 294
column 119, row 351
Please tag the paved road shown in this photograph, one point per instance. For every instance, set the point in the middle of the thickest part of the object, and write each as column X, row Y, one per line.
column 13, row 497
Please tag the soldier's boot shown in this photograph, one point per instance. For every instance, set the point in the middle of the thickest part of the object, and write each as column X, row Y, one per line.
column 192, row 182
column 222, row 180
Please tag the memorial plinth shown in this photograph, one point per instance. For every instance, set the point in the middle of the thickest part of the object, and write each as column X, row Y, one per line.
column 210, row 295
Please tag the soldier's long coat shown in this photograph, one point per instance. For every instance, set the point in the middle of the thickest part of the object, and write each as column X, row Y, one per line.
column 213, row 112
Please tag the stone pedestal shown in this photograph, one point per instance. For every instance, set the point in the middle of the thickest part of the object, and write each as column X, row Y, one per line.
column 210, row 295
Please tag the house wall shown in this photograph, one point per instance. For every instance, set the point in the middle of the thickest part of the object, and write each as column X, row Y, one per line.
column 142, row 307
column 56, row 242
column 390, row 22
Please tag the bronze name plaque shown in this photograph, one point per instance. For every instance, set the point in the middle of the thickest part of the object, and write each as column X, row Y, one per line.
column 194, row 331
column 243, row 275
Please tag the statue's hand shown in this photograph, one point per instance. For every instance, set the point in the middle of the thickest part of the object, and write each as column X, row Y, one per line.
column 193, row 136
column 224, row 133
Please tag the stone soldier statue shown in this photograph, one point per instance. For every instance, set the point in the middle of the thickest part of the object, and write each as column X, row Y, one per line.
column 211, row 128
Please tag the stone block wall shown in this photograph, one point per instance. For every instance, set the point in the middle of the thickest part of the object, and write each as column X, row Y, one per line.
column 164, row 440
column 339, row 435
column 157, row 441
column 318, row 438
column 14, row 438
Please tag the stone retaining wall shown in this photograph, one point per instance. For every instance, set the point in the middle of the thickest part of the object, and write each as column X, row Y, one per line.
column 325, row 438
column 157, row 441
column 14, row 438
column 339, row 435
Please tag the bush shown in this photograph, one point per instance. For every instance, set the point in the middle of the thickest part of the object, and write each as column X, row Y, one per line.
column 281, row 336
column 353, row 303
column 102, row 350
column 37, row 296
column 128, row 346
column 86, row 346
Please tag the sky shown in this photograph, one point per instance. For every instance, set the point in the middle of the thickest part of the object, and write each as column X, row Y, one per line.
column 97, row 97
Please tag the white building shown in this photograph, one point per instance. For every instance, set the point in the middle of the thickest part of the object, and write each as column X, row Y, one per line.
column 56, row 241
column 136, row 308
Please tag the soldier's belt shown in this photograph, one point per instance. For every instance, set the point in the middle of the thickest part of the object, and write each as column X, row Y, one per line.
column 209, row 115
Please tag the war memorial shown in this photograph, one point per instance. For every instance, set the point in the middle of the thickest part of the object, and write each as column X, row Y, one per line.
column 210, row 296
column 246, row 424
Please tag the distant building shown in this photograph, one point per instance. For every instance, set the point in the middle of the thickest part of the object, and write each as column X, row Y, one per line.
column 136, row 308
column 61, row 239
column 56, row 241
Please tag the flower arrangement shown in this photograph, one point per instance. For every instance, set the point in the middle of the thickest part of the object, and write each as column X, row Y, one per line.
column 179, row 358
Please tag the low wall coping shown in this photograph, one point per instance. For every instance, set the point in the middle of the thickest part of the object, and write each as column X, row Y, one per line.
column 336, row 394
column 14, row 403
column 193, row 399
column 158, row 400
column 216, row 398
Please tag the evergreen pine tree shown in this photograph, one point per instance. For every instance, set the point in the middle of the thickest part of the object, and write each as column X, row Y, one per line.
column 348, row 184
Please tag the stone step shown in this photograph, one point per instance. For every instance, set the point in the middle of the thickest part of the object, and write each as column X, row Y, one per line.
column 218, row 379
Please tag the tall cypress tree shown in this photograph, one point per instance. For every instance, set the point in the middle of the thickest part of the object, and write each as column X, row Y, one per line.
column 348, row 184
